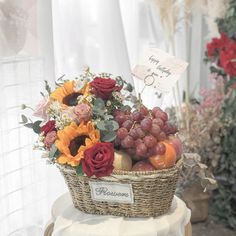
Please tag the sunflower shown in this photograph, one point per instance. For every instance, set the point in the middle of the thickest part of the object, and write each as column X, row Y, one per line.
column 67, row 95
column 73, row 140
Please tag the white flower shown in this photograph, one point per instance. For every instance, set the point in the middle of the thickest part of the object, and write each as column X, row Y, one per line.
column 80, row 83
column 55, row 108
column 108, row 103
column 63, row 120
column 45, row 154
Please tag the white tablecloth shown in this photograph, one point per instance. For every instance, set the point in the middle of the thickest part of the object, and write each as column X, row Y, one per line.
column 70, row 222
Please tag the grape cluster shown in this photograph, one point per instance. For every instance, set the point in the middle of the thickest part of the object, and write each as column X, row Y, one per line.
column 141, row 131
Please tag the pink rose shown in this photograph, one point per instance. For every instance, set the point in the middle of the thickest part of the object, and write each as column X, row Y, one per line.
column 41, row 109
column 50, row 139
column 83, row 112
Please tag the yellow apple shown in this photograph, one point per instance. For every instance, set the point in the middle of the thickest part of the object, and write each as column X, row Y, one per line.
column 122, row 161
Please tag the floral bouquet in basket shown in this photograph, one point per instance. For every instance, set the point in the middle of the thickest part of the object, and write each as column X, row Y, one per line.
column 95, row 125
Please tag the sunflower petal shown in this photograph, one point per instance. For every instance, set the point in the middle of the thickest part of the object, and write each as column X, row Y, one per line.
column 66, row 89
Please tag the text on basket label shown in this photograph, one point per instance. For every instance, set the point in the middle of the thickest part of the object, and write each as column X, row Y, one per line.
column 111, row 192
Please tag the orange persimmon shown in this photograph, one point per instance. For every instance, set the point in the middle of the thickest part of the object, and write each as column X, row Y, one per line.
column 167, row 160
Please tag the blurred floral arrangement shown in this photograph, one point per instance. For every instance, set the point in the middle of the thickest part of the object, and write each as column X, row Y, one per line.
column 205, row 125
column 86, row 125
column 200, row 130
column 221, row 53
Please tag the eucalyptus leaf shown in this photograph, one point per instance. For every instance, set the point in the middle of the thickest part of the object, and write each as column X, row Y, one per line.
column 53, row 151
column 115, row 125
column 24, row 119
column 29, row 125
column 108, row 136
column 36, row 126
column 98, row 112
column 47, row 87
column 119, row 81
column 79, row 170
column 108, row 117
column 107, row 125
column 129, row 87
column 99, row 103
column 101, row 125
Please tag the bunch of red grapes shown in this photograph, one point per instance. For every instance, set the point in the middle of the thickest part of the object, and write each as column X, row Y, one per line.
column 142, row 130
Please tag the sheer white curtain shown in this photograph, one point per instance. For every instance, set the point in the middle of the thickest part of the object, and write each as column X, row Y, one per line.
column 27, row 185
column 143, row 29
column 89, row 33
column 38, row 42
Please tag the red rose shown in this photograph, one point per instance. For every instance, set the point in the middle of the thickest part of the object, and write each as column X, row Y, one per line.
column 103, row 87
column 228, row 59
column 48, row 127
column 98, row 160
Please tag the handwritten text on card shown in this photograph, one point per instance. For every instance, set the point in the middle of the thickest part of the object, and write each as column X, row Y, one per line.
column 159, row 69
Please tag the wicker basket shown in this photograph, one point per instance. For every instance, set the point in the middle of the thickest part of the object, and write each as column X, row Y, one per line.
column 153, row 192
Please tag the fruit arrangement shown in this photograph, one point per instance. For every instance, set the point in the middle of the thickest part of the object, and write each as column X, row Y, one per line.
column 87, row 125
column 148, row 138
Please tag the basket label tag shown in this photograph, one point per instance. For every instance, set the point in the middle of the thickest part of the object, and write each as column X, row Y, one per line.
column 111, row 192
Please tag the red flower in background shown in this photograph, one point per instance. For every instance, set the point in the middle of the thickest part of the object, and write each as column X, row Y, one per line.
column 103, row 87
column 217, row 44
column 48, row 127
column 98, row 160
column 228, row 59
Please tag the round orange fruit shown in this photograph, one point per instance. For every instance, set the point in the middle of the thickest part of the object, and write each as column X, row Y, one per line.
column 166, row 160
column 157, row 161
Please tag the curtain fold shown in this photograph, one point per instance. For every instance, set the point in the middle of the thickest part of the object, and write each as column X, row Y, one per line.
column 27, row 185
column 89, row 33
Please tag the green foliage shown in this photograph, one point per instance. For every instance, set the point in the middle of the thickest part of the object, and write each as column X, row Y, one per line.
column 229, row 84
column 105, row 122
column 79, row 170
column 108, row 125
column 228, row 23
column 99, row 108
column 129, row 87
column 107, row 130
column 24, row 119
column 224, row 198
column 54, row 152
column 108, row 136
column 36, row 126
column 217, row 70
column 32, row 125
column 47, row 87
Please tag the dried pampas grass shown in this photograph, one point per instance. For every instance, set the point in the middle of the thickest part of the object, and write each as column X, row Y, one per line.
column 169, row 14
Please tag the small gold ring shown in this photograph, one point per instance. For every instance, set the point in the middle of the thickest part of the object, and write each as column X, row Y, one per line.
column 149, row 83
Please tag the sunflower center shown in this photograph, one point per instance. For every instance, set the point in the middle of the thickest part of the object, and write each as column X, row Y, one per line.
column 71, row 99
column 76, row 143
